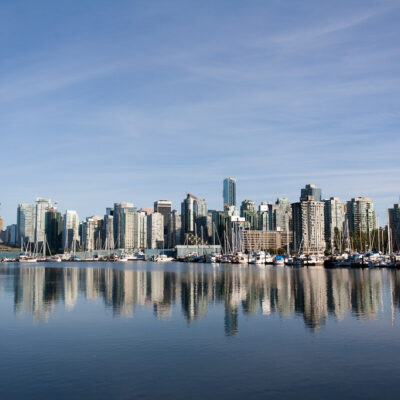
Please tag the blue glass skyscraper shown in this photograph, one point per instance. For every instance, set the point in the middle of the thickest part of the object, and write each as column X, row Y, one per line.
column 229, row 192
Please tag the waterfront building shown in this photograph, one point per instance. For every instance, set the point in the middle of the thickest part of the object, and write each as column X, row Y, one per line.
column 394, row 224
column 229, row 192
column 311, row 190
column 42, row 205
column 53, row 229
column 70, row 232
column 174, row 231
column 248, row 210
column 155, row 231
column 124, row 225
column 335, row 216
column 361, row 215
column 26, row 217
column 309, row 225
column 164, row 207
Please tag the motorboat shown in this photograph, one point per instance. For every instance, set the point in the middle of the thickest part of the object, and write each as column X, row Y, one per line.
column 162, row 258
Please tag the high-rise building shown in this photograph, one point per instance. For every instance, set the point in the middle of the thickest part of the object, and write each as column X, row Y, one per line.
column 142, row 230
column 108, row 230
column 91, row 233
column 394, row 224
column 309, row 225
column 282, row 216
column 70, row 233
column 124, row 225
column 335, row 216
column 155, row 231
column 263, row 216
column 53, row 229
column 229, row 192
column 174, row 232
column 1, row 223
column 11, row 232
column 361, row 215
column 311, row 190
column 26, row 217
column 42, row 205
column 248, row 210
column 164, row 207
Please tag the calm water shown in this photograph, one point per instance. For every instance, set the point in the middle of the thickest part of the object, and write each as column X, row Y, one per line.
column 180, row 331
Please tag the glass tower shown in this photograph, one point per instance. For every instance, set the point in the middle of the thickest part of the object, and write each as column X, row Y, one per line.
column 229, row 192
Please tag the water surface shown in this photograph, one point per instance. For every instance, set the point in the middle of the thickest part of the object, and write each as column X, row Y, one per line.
column 179, row 331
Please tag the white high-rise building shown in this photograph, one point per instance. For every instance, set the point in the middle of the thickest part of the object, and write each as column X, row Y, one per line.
column 91, row 233
column 309, row 225
column 42, row 205
column 124, row 225
column 108, row 231
column 70, row 233
column 155, row 231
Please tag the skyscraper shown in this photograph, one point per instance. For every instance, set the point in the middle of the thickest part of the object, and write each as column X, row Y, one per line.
column 155, row 231
column 229, row 192
column 124, row 225
column 53, row 228
column 248, row 210
column 335, row 216
column 174, row 235
column 309, row 225
column 310, row 190
column 361, row 215
column 26, row 217
column 70, row 233
column 164, row 207
column 1, row 223
column 42, row 205
column 394, row 223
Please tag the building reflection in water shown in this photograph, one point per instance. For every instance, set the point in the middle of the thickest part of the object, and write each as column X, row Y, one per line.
column 312, row 293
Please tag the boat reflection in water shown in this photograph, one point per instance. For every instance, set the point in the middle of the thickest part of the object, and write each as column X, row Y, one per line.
column 189, row 290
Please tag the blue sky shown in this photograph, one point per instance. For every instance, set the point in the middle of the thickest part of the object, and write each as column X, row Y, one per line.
column 104, row 101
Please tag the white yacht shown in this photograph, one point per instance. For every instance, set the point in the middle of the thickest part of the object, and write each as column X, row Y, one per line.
column 162, row 258
column 257, row 257
column 27, row 259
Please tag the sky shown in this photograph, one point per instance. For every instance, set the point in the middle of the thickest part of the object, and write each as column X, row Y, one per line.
column 109, row 101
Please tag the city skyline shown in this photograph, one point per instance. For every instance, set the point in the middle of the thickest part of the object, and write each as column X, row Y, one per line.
column 136, row 97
